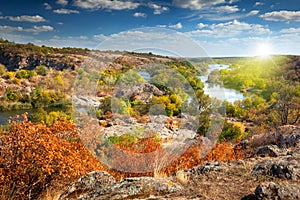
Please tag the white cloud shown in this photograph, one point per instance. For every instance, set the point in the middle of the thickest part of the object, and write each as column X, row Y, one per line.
column 62, row 2
column 227, row 9
column 229, row 29
column 10, row 28
column 197, row 4
column 47, row 6
column 176, row 26
column 233, row 1
column 290, row 30
column 34, row 29
column 201, row 25
column 158, row 9
column 226, row 17
column 38, row 29
column 155, row 40
column 253, row 12
column 65, row 11
column 56, row 41
column 100, row 37
column 83, row 37
column 106, row 4
column 25, row 18
column 282, row 16
column 258, row 4
column 138, row 14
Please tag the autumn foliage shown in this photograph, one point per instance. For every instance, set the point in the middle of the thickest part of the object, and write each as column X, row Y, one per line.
column 35, row 156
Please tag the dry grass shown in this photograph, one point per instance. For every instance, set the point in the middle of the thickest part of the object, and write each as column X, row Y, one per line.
column 234, row 183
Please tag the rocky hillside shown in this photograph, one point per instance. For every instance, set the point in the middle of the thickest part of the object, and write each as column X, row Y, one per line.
column 271, row 172
column 28, row 56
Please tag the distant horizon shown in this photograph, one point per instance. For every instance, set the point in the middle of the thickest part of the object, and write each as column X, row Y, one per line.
column 148, row 52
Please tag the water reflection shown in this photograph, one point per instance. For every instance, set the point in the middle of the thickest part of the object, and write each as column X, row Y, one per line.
column 218, row 91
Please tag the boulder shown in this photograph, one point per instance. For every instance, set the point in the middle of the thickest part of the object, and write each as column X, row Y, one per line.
column 285, row 167
column 143, row 187
column 183, row 175
column 96, row 180
column 105, row 188
column 270, row 150
column 142, row 91
column 271, row 190
column 290, row 140
column 284, row 137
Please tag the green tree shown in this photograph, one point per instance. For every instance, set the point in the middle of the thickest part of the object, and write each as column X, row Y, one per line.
column 286, row 103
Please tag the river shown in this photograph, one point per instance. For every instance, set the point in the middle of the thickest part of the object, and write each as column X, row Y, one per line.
column 5, row 115
column 217, row 91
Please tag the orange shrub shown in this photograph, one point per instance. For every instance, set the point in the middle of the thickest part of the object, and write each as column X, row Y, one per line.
column 34, row 156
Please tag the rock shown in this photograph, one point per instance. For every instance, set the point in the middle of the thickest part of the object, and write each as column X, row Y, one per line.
column 87, row 183
column 210, row 167
column 270, row 150
column 142, row 91
column 142, row 187
column 271, row 190
column 284, row 137
column 285, row 167
column 292, row 139
column 86, row 101
column 183, row 175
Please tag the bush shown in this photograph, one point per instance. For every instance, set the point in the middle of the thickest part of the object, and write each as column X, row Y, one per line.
column 231, row 132
column 25, row 74
column 41, row 70
column 34, row 156
column 9, row 75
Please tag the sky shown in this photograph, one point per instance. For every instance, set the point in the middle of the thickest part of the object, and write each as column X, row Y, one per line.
column 188, row 28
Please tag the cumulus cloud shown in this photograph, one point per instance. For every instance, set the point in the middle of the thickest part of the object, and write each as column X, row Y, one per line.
column 253, row 12
column 106, row 4
column 176, row 26
column 197, row 4
column 34, row 29
column 227, row 9
column 47, row 6
column 65, row 11
column 290, row 30
column 71, row 41
column 62, row 2
column 138, row 14
column 10, row 28
column 38, row 29
column 26, row 18
column 283, row 15
column 258, row 3
column 229, row 29
column 100, row 37
column 201, row 25
column 158, row 9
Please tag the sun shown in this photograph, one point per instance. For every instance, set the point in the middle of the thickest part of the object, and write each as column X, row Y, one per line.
column 264, row 50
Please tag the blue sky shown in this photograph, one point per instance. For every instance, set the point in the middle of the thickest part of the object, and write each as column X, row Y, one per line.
column 218, row 27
